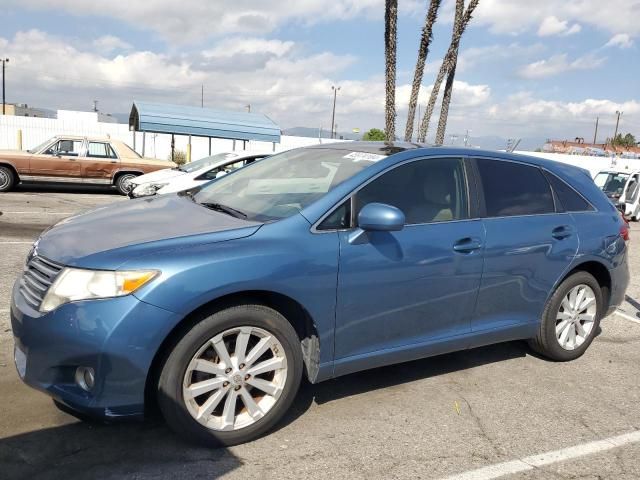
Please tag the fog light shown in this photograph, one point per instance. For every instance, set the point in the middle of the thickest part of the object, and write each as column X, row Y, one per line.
column 85, row 378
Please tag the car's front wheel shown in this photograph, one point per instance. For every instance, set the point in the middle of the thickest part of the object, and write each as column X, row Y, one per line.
column 232, row 376
column 570, row 319
column 124, row 183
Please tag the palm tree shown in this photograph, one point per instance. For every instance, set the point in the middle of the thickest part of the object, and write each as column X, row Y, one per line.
column 423, row 52
column 390, row 39
column 448, row 66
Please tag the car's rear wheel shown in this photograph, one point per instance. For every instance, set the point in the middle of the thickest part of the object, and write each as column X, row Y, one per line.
column 7, row 179
column 571, row 318
column 232, row 376
column 123, row 183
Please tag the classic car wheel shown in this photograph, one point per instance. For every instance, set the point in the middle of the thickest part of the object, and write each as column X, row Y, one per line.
column 123, row 184
column 7, row 179
column 232, row 376
column 570, row 319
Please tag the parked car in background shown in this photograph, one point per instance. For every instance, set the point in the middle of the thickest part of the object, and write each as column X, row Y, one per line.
column 623, row 188
column 80, row 160
column 191, row 174
column 320, row 261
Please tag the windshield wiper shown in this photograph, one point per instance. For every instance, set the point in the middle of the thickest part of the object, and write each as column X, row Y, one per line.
column 218, row 207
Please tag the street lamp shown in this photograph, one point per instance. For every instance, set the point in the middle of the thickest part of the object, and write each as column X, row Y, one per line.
column 333, row 112
column 4, row 60
column 618, row 113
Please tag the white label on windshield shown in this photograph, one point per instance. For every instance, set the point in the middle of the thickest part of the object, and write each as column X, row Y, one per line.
column 363, row 156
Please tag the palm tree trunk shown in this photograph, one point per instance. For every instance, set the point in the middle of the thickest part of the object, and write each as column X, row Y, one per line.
column 446, row 100
column 449, row 62
column 423, row 52
column 390, row 39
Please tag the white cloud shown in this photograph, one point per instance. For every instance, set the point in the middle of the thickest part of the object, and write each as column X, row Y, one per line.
column 248, row 46
column 109, row 43
column 621, row 40
column 516, row 16
column 196, row 20
column 558, row 64
column 553, row 26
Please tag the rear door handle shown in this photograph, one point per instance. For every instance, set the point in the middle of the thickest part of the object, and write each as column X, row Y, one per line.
column 563, row 231
column 467, row 245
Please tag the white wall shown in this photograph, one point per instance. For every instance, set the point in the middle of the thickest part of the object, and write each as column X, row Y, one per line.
column 593, row 164
column 38, row 130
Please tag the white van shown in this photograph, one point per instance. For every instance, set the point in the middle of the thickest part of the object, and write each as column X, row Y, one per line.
column 623, row 188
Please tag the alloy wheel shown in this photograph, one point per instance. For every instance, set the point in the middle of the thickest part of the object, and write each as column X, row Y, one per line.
column 235, row 378
column 5, row 180
column 576, row 317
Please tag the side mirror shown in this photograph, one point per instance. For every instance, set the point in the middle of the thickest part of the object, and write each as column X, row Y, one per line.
column 380, row 217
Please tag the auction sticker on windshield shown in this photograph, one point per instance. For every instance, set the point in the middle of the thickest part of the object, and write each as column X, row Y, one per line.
column 363, row 156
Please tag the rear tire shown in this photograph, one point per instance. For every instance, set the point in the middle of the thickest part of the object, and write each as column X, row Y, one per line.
column 123, row 183
column 7, row 179
column 236, row 409
column 569, row 326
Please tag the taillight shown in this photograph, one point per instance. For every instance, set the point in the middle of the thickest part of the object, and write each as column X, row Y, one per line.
column 624, row 229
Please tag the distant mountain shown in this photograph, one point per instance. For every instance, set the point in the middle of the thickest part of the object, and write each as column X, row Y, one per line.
column 313, row 133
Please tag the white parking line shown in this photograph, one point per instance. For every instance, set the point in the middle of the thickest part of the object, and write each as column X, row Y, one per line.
column 535, row 461
column 16, row 243
column 626, row 316
column 38, row 213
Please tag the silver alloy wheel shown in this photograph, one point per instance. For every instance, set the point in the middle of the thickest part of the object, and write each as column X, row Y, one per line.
column 4, row 179
column 576, row 317
column 245, row 363
column 126, row 183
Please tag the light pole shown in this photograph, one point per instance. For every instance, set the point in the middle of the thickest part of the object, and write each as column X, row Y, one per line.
column 333, row 112
column 4, row 60
column 618, row 113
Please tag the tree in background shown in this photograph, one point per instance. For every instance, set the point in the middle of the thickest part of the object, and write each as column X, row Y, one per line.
column 390, row 40
column 374, row 134
column 423, row 52
column 627, row 140
column 448, row 67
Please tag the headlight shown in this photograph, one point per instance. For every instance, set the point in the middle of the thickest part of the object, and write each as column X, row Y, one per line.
column 78, row 284
column 147, row 189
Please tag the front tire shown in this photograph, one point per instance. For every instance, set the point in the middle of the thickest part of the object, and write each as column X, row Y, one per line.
column 231, row 377
column 570, row 319
column 7, row 179
column 123, row 183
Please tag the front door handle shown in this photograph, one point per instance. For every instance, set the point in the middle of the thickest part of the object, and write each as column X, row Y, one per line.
column 467, row 245
column 561, row 232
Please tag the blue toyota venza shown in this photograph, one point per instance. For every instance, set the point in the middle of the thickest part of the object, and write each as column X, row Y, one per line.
column 320, row 261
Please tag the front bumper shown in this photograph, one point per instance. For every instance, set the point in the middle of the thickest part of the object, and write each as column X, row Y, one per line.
column 117, row 337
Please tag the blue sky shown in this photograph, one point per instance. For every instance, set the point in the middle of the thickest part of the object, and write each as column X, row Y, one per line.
column 545, row 70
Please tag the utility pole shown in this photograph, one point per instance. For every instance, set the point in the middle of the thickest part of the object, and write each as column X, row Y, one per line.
column 333, row 112
column 248, row 105
column 618, row 113
column 202, row 96
column 95, row 106
column 4, row 60
column 595, row 134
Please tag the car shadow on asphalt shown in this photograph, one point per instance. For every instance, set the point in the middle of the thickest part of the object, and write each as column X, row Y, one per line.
column 149, row 449
column 75, row 188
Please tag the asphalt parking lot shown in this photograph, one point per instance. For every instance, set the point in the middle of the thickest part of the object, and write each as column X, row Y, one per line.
column 495, row 408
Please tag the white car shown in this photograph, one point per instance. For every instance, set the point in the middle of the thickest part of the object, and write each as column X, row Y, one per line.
column 191, row 174
column 623, row 189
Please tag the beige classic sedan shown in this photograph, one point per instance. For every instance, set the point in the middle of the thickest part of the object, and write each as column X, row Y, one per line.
column 69, row 159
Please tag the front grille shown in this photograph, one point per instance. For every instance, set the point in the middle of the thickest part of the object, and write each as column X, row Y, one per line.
column 38, row 276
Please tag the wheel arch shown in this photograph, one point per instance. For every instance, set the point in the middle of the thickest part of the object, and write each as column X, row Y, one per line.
column 12, row 168
column 599, row 271
column 292, row 310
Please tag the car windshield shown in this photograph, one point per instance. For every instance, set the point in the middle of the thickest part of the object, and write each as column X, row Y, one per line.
column 611, row 182
column 206, row 161
column 40, row 147
column 282, row 185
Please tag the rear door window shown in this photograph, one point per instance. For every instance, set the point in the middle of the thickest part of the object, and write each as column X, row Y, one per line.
column 100, row 150
column 512, row 188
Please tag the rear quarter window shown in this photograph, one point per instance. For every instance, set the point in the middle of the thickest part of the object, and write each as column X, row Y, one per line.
column 569, row 199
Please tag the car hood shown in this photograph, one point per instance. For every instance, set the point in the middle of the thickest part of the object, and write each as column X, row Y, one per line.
column 109, row 236
column 158, row 175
